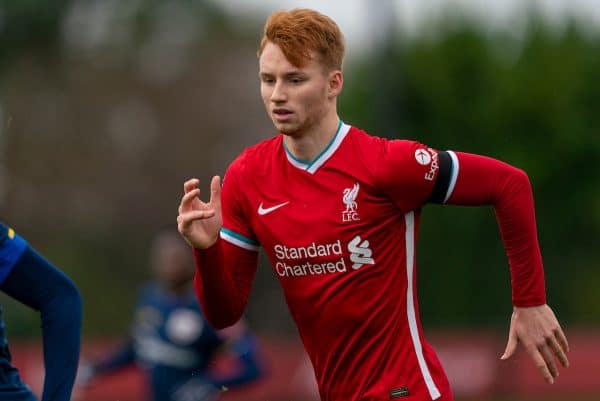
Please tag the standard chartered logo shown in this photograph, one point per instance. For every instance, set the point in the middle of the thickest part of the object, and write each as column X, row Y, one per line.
column 317, row 259
column 360, row 253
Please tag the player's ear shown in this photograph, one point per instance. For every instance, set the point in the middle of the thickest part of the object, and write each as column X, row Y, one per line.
column 336, row 82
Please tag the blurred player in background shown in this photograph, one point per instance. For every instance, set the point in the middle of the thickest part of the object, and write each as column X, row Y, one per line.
column 30, row 279
column 170, row 339
column 337, row 211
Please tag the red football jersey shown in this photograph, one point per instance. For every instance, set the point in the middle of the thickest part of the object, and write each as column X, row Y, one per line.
column 340, row 233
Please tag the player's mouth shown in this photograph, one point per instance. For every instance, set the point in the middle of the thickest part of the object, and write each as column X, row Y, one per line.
column 280, row 114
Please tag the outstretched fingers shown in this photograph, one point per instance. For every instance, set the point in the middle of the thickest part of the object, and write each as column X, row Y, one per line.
column 190, row 184
column 187, row 200
column 191, row 194
column 185, row 220
column 215, row 190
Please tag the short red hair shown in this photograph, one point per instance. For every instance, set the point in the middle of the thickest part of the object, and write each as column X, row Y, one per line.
column 301, row 31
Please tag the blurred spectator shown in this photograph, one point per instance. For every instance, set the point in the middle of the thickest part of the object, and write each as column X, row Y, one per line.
column 171, row 341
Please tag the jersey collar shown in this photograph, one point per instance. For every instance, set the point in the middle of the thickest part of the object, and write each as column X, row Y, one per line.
column 312, row 166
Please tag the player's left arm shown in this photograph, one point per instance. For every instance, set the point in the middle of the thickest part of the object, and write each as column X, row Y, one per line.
column 468, row 179
column 36, row 283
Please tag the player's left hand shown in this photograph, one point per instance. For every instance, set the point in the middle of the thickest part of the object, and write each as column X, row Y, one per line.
column 540, row 333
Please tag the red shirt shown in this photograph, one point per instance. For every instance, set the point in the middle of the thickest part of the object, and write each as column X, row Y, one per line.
column 340, row 233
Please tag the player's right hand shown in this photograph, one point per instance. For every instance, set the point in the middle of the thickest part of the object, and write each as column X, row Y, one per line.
column 200, row 222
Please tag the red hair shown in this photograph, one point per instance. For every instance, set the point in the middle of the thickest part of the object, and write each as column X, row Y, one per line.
column 301, row 31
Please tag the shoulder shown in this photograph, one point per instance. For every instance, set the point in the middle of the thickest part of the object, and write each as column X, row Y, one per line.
column 373, row 148
column 369, row 142
column 256, row 158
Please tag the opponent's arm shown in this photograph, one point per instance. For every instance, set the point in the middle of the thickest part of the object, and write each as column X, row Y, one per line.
column 120, row 358
column 468, row 179
column 36, row 283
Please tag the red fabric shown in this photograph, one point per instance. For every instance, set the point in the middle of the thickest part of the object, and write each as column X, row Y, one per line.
column 340, row 234
column 486, row 181
column 341, row 242
column 223, row 279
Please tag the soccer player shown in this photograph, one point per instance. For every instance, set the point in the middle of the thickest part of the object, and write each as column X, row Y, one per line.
column 30, row 279
column 170, row 339
column 337, row 211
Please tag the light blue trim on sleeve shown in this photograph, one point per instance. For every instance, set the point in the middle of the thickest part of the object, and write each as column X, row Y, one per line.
column 239, row 240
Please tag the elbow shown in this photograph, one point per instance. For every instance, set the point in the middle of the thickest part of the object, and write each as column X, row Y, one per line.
column 520, row 181
column 71, row 299
column 521, row 176
column 515, row 181
column 65, row 308
column 74, row 300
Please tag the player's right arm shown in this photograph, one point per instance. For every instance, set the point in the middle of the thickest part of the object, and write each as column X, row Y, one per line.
column 224, row 271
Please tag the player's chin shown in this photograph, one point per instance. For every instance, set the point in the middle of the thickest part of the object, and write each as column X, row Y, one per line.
column 285, row 128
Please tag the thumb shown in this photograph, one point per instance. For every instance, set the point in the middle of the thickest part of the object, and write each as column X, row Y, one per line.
column 215, row 190
column 511, row 346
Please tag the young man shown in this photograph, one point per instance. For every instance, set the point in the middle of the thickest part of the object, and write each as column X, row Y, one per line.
column 337, row 212
column 170, row 339
column 30, row 279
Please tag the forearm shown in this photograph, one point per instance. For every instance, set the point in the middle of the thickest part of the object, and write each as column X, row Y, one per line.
column 122, row 357
column 224, row 275
column 38, row 284
column 482, row 181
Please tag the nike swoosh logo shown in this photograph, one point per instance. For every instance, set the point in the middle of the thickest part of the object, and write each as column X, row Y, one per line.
column 262, row 211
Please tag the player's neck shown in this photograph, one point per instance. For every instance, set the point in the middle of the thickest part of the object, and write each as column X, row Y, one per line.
column 309, row 145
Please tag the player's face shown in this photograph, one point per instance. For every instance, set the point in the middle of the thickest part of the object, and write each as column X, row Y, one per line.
column 296, row 98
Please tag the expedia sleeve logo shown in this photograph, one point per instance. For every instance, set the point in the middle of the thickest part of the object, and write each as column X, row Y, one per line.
column 428, row 157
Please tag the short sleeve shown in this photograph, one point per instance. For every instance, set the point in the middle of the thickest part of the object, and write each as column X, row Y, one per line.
column 236, row 228
column 407, row 172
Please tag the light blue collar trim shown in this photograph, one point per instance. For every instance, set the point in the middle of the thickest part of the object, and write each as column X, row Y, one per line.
column 313, row 166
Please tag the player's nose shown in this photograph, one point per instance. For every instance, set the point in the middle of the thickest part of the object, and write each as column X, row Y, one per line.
column 278, row 94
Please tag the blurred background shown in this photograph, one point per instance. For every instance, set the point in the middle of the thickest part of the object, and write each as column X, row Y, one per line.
column 107, row 106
